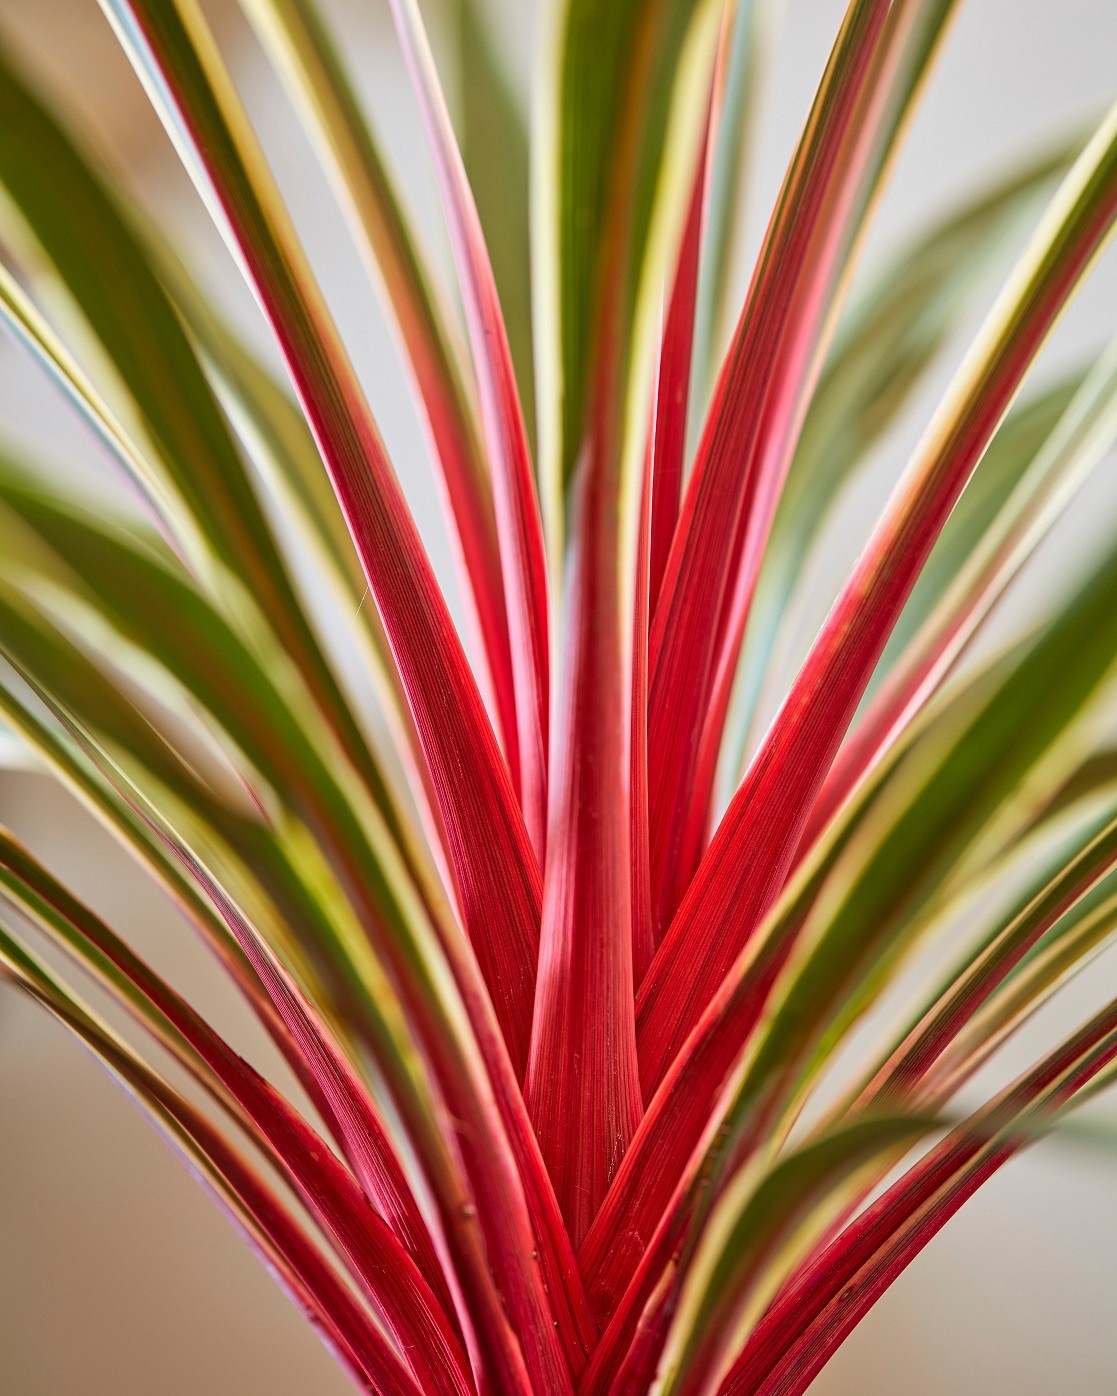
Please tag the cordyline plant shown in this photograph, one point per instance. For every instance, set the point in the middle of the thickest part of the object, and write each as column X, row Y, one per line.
column 564, row 962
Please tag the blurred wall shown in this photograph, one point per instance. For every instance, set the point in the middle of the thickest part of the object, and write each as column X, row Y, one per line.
column 117, row 1274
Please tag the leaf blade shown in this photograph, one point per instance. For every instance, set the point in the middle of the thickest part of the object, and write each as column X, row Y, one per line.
column 996, row 553
column 717, row 914
column 757, row 407
column 497, row 880
column 294, row 34
column 272, row 1229
column 625, row 167
column 389, row 1276
column 519, row 526
column 882, row 348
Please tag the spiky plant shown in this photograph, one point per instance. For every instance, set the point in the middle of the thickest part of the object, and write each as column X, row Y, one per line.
column 565, row 1016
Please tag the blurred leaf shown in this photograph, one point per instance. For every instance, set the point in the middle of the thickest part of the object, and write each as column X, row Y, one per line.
column 754, row 848
column 826, row 1300
column 80, row 226
column 277, row 1234
column 489, row 118
column 766, row 1221
column 496, row 877
column 932, row 1032
column 609, row 67
column 1011, row 503
column 409, row 1306
column 519, row 526
column 845, row 920
column 917, row 832
column 746, row 36
column 884, row 348
column 302, row 50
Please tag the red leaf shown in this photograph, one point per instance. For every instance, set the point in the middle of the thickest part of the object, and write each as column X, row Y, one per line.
column 643, row 942
column 752, row 851
column 908, row 1067
column 671, row 1130
column 754, row 419
column 673, row 385
column 519, row 526
column 818, row 1309
column 1082, row 436
column 583, row 1089
column 514, row 1212
column 414, row 1314
column 268, row 1225
column 494, row 866
column 583, row 1083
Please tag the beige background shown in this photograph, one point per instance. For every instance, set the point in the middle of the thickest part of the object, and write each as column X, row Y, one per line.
column 117, row 1274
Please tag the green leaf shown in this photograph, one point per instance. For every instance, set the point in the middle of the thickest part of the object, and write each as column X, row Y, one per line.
column 494, row 869
column 489, row 118
column 746, row 39
column 268, row 861
column 519, row 525
column 79, row 225
column 1012, row 451
column 375, row 1256
column 168, row 510
column 920, row 829
column 998, row 952
column 1012, row 501
column 305, row 55
column 607, row 64
column 276, row 1232
column 281, row 447
column 885, row 345
column 1072, row 943
column 766, row 1222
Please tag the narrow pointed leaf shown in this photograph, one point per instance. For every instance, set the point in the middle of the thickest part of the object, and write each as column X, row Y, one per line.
column 284, row 452
column 746, row 32
column 673, row 380
column 760, row 1229
column 829, row 1297
column 1084, row 932
column 383, row 1267
column 488, row 117
column 886, row 343
column 519, row 526
column 741, row 872
column 385, row 1036
column 643, row 940
column 97, row 795
column 986, row 542
column 624, row 123
column 331, row 1083
column 679, row 1111
column 79, row 225
column 144, row 595
column 31, row 328
column 902, row 1075
column 845, row 921
column 280, row 1238
column 497, row 880
column 757, row 409
column 304, row 53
